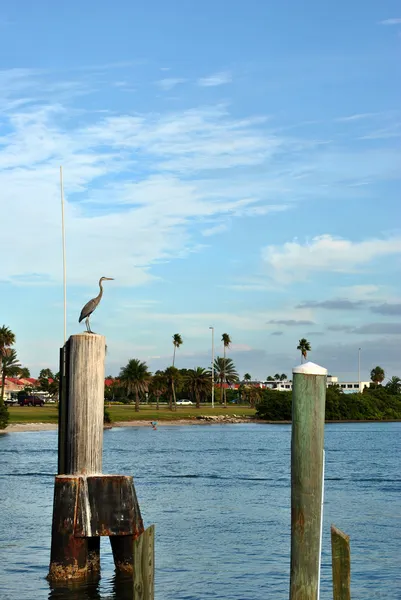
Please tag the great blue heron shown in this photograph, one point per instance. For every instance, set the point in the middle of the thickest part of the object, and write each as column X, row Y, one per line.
column 92, row 304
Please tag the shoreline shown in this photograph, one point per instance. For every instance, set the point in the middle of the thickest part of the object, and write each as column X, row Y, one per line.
column 29, row 427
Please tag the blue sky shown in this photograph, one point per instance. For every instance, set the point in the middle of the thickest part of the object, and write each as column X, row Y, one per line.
column 231, row 167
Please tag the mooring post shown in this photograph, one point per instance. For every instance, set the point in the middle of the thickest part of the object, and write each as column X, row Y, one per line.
column 341, row 564
column 87, row 504
column 308, row 410
column 80, row 452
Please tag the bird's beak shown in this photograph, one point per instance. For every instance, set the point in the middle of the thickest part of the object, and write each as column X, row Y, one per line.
column 109, row 278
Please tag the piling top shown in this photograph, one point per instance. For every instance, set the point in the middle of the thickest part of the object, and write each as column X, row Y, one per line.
column 310, row 368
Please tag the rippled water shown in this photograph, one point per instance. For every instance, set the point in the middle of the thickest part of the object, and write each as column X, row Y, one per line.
column 220, row 499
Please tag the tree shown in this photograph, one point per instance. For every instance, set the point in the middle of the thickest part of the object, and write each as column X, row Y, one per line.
column 283, row 377
column 199, row 384
column 177, row 341
column 247, row 377
column 158, row 386
column 394, row 385
column 269, row 378
column 304, row 347
column 277, row 377
column 173, row 377
column 24, row 373
column 377, row 375
column 10, row 368
column 49, row 382
column 135, row 378
column 225, row 338
column 7, row 339
column 46, row 374
column 225, row 372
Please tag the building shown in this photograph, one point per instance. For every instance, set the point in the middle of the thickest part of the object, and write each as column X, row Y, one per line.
column 346, row 386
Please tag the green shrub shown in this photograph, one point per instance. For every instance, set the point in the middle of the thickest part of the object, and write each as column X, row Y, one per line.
column 4, row 416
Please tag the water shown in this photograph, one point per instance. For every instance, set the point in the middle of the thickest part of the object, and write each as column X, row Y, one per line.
column 220, row 499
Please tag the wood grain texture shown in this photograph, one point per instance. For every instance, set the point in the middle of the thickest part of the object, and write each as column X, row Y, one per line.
column 144, row 565
column 308, row 409
column 85, row 404
column 341, row 564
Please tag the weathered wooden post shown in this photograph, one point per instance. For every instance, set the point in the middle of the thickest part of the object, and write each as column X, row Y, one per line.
column 308, row 410
column 87, row 504
column 341, row 564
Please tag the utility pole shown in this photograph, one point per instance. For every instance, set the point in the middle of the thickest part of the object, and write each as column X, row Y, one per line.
column 359, row 370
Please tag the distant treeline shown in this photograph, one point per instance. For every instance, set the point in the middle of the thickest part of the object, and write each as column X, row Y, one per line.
column 376, row 403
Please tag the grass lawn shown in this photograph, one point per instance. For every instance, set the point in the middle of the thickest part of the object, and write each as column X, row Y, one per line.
column 126, row 412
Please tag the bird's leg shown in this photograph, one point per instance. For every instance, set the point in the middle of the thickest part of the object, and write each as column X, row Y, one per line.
column 88, row 327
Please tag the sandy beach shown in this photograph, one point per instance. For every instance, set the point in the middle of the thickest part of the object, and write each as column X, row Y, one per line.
column 21, row 427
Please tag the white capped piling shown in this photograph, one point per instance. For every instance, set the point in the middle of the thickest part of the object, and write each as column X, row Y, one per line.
column 308, row 412
column 85, row 404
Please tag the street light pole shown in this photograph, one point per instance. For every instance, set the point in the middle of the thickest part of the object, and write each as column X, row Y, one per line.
column 212, row 328
column 359, row 370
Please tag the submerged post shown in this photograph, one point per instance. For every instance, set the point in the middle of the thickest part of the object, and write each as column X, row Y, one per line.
column 308, row 410
column 341, row 564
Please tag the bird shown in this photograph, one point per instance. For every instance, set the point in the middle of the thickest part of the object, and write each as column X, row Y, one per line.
column 92, row 304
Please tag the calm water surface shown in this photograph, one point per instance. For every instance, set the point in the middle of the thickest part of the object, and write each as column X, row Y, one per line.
column 220, row 499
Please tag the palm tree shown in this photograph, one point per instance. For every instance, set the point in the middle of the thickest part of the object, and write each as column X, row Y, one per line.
column 24, row 373
column 10, row 368
column 135, row 378
column 7, row 339
column 277, row 377
column 199, row 383
column 225, row 338
column 172, row 376
column 158, row 386
column 304, row 347
column 269, row 378
column 283, row 377
column 177, row 341
column 377, row 375
column 247, row 377
column 225, row 371
column 394, row 385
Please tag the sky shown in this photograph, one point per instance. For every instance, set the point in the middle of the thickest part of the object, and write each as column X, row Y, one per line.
column 234, row 166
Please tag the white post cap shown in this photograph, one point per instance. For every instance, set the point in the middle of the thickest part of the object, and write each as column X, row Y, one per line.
column 310, row 368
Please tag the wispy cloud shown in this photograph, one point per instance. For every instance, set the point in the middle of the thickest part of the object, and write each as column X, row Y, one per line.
column 216, row 79
column 387, row 309
column 356, row 117
column 215, row 229
column 169, row 83
column 289, row 322
column 335, row 304
column 394, row 21
column 294, row 261
column 379, row 329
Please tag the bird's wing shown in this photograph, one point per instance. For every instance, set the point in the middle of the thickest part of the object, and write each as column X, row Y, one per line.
column 87, row 309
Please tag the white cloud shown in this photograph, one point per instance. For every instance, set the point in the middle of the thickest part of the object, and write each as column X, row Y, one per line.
column 169, row 83
column 132, row 184
column 216, row 79
column 395, row 21
column 294, row 261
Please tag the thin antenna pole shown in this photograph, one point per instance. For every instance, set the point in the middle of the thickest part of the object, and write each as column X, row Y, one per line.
column 64, row 265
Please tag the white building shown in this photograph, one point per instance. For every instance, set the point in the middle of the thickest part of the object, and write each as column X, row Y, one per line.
column 346, row 386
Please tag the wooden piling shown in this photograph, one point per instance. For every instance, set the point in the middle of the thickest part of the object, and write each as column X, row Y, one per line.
column 144, row 565
column 87, row 504
column 341, row 564
column 85, row 354
column 308, row 410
